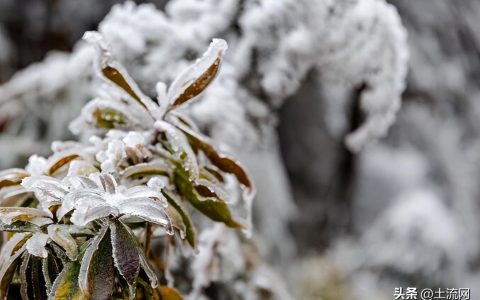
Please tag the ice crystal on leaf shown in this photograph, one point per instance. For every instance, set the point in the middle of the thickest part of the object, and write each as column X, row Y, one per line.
column 84, row 219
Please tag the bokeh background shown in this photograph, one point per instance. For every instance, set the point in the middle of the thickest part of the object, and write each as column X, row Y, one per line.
column 358, row 119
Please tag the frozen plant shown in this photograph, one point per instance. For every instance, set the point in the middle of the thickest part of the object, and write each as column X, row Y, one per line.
column 103, row 219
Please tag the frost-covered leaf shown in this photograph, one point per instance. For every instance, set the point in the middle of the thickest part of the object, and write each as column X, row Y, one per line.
column 81, row 182
column 8, row 215
column 59, row 160
column 19, row 226
column 36, row 244
column 170, row 293
column 66, row 285
column 11, row 177
column 195, row 79
column 179, row 145
column 109, row 117
column 86, row 214
column 96, row 275
column 31, row 277
column 81, row 168
column 125, row 254
column 71, row 199
column 212, row 174
column 61, row 235
column 152, row 277
column 9, row 259
column 190, row 231
column 51, row 267
column 104, row 114
column 144, row 170
column 214, row 208
column 148, row 209
column 48, row 190
column 106, row 181
column 115, row 73
column 13, row 195
column 176, row 220
column 115, row 76
column 222, row 161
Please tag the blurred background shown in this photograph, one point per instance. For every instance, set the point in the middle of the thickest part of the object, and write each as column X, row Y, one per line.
column 358, row 119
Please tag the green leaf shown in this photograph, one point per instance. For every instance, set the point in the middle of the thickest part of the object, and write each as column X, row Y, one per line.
column 125, row 254
column 66, row 284
column 96, row 277
column 214, row 208
column 190, row 231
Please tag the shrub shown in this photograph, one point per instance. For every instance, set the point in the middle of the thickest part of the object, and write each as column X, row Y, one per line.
column 82, row 223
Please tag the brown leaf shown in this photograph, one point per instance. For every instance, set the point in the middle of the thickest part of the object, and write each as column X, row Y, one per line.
column 116, row 77
column 195, row 79
column 60, row 162
column 11, row 177
column 199, row 85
